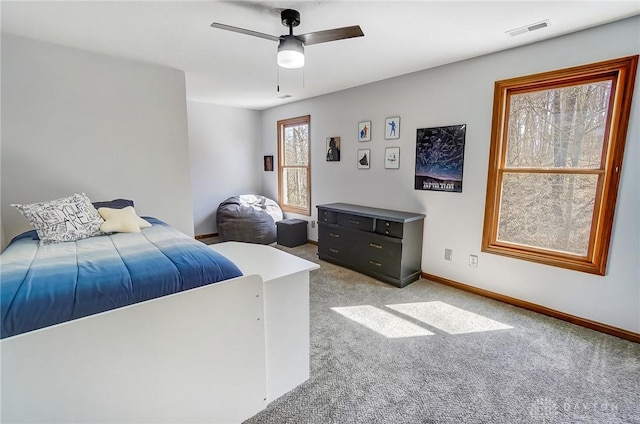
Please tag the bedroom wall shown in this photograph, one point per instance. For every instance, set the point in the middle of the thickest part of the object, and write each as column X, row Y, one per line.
column 462, row 93
column 224, row 146
column 77, row 121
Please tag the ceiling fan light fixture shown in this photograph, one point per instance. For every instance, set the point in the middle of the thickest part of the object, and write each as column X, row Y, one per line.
column 290, row 53
column 291, row 47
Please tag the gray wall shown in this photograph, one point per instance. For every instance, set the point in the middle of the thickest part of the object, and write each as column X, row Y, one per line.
column 462, row 93
column 225, row 158
column 76, row 121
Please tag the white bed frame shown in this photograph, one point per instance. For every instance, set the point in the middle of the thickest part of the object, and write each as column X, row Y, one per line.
column 215, row 354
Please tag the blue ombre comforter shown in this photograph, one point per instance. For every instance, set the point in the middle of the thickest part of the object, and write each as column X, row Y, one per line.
column 46, row 285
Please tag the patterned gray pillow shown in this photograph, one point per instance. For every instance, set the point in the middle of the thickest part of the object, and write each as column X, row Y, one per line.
column 68, row 219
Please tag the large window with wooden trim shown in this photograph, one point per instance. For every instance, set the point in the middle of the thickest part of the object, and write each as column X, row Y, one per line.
column 555, row 161
column 294, row 165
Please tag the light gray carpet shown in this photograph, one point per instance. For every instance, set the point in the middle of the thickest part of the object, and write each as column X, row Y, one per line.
column 541, row 370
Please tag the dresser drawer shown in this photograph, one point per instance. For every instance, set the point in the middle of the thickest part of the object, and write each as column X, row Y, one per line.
column 389, row 228
column 326, row 216
column 375, row 246
column 335, row 250
column 332, row 234
column 356, row 222
column 381, row 265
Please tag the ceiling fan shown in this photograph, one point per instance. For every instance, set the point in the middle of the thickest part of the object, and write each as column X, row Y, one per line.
column 291, row 47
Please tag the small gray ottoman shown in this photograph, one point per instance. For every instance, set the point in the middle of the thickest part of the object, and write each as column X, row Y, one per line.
column 292, row 232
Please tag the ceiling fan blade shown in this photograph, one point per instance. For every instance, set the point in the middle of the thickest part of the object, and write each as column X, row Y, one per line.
column 330, row 35
column 244, row 31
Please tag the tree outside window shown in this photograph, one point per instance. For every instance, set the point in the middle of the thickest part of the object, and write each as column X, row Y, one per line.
column 294, row 172
column 557, row 145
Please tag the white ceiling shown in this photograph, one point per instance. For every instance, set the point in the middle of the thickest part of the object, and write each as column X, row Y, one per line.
column 238, row 70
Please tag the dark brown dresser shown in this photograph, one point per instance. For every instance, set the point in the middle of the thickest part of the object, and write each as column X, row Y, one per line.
column 384, row 244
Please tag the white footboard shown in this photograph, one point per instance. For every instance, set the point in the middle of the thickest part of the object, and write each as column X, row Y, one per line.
column 196, row 356
column 286, row 305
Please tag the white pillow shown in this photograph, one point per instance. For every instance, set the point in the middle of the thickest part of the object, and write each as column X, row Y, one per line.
column 123, row 220
column 68, row 219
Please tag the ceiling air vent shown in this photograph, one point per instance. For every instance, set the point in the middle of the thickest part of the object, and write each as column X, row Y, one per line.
column 528, row 28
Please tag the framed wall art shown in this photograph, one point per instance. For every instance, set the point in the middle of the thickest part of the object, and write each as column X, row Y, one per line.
column 364, row 131
column 268, row 163
column 392, row 128
column 392, row 158
column 364, row 159
column 333, row 149
column 439, row 158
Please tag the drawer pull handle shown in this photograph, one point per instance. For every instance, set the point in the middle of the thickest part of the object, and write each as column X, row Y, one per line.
column 353, row 221
column 388, row 224
column 377, row 246
column 386, row 232
column 375, row 263
column 334, row 251
column 334, row 235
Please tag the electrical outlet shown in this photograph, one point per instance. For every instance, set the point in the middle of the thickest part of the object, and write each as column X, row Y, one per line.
column 473, row 261
column 313, row 224
column 448, row 254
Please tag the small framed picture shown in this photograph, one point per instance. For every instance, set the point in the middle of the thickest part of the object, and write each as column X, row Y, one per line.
column 364, row 131
column 268, row 163
column 392, row 128
column 364, row 159
column 333, row 149
column 392, row 158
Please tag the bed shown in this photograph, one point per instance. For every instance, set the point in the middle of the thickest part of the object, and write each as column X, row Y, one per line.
column 123, row 328
column 47, row 285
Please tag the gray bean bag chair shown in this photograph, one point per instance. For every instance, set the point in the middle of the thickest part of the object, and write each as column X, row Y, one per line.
column 248, row 218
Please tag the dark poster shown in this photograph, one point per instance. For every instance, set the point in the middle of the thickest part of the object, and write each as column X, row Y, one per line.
column 439, row 157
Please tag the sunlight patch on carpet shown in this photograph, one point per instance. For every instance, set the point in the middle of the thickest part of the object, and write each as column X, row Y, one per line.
column 381, row 322
column 448, row 318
